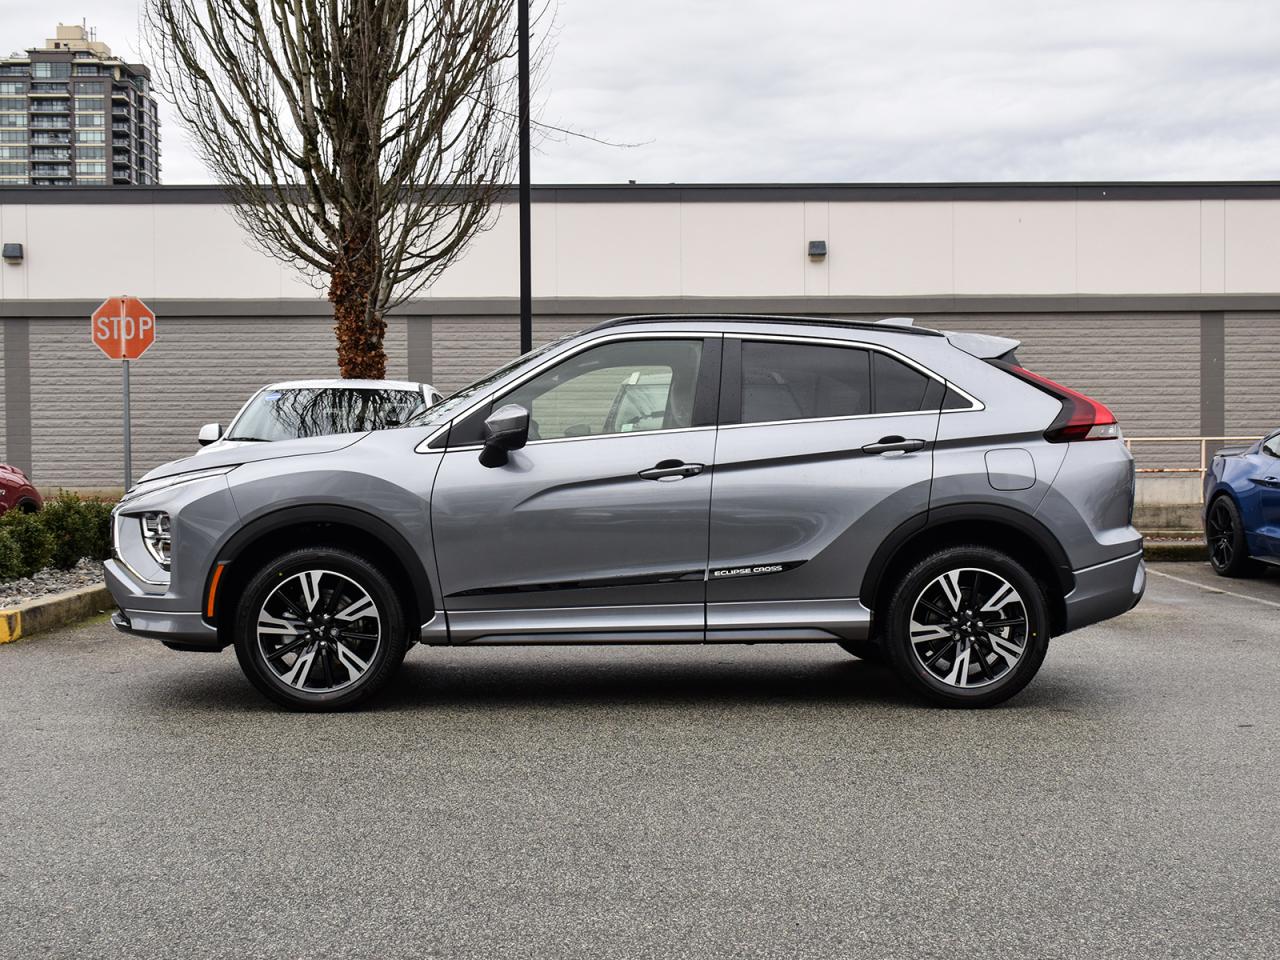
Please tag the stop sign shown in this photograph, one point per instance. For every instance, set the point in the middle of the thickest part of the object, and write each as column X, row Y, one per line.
column 123, row 328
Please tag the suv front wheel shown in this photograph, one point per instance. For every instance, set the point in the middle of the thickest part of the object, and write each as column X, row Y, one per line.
column 319, row 629
column 968, row 626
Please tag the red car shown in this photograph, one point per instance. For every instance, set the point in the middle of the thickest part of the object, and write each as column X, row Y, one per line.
column 16, row 491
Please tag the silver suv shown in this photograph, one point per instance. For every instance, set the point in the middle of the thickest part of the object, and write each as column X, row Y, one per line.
column 910, row 495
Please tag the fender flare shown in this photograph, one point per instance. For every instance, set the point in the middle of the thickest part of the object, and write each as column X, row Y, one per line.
column 1019, row 520
column 362, row 520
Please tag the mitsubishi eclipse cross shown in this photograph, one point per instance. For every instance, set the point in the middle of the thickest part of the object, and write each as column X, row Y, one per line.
column 911, row 495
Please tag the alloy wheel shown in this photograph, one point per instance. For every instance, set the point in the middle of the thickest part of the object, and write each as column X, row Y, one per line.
column 1221, row 530
column 319, row 631
column 969, row 627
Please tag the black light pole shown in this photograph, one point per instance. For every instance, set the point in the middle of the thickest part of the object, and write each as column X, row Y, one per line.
column 526, row 242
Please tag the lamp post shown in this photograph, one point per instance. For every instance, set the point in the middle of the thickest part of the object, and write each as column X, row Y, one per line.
column 526, row 270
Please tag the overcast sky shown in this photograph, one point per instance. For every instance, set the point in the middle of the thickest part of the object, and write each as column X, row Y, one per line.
column 845, row 90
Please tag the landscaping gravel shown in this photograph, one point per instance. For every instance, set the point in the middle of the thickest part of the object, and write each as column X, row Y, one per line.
column 51, row 580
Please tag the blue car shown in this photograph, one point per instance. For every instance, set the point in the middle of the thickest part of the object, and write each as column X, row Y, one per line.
column 1242, row 508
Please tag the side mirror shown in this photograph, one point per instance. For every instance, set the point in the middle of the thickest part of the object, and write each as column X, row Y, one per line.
column 506, row 429
column 209, row 433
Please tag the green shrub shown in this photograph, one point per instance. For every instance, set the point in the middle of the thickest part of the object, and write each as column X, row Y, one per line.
column 80, row 528
column 35, row 544
column 10, row 557
column 99, row 514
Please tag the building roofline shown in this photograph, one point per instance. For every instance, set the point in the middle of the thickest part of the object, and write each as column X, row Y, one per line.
column 1060, row 191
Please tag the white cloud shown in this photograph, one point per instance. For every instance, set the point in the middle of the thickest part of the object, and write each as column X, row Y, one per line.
column 837, row 90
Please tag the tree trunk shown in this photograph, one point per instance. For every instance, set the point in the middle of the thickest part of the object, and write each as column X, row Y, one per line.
column 358, row 323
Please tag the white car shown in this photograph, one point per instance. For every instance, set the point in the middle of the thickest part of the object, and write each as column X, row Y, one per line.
column 313, row 408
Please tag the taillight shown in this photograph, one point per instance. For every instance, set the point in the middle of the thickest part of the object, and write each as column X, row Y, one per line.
column 1082, row 418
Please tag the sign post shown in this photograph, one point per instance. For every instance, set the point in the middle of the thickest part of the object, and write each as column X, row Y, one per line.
column 123, row 328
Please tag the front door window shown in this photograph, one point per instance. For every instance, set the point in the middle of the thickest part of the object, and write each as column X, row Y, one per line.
column 629, row 386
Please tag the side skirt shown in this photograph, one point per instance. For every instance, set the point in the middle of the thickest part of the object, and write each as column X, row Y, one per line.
column 776, row 621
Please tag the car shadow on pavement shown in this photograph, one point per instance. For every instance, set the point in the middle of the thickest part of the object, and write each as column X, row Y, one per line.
column 479, row 678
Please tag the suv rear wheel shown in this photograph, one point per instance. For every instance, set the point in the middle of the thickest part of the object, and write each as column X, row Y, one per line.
column 319, row 629
column 968, row 626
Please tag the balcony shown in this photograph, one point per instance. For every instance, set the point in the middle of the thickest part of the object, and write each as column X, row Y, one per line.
column 50, row 170
column 120, row 127
column 51, row 123
column 47, row 153
column 58, row 138
column 51, row 106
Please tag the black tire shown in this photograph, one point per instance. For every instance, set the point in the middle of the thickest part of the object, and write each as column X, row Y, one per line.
column 867, row 650
column 353, row 602
column 940, row 662
column 1224, row 535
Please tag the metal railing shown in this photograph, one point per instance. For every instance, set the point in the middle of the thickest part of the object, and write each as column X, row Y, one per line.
column 1206, row 444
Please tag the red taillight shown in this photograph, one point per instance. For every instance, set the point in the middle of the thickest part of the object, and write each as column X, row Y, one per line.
column 1082, row 418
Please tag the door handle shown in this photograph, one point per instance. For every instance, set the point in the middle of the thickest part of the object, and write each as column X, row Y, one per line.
column 891, row 444
column 1270, row 481
column 672, row 470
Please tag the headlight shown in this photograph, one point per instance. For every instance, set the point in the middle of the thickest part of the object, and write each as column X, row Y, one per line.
column 164, row 483
column 156, row 536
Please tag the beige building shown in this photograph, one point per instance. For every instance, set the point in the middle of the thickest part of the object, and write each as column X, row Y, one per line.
column 1163, row 300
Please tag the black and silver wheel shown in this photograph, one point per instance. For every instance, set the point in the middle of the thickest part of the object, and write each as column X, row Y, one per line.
column 319, row 629
column 968, row 626
column 1224, row 532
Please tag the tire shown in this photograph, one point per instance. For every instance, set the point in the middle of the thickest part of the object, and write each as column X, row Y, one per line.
column 867, row 650
column 1224, row 534
column 331, row 606
column 935, row 626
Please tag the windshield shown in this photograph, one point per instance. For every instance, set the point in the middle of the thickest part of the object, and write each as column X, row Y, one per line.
column 446, row 408
column 319, row 411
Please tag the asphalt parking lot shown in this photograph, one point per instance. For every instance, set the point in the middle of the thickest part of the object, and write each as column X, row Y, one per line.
column 654, row 802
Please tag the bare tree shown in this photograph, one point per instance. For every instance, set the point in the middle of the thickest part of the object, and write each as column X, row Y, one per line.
column 363, row 141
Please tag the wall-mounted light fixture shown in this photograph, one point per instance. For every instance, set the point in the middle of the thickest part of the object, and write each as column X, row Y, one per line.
column 817, row 249
column 12, row 253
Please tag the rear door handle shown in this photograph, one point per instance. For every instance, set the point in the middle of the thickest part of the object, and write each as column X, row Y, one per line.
column 672, row 470
column 1270, row 481
column 891, row 444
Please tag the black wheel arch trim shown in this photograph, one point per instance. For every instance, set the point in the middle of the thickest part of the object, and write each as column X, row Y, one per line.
column 1024, row 523
column 361, row 520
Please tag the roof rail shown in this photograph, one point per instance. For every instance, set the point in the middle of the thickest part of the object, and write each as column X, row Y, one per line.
column 766, row 318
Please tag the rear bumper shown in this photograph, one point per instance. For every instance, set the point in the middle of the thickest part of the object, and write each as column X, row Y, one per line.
column 1106, row 590
column 159, row 616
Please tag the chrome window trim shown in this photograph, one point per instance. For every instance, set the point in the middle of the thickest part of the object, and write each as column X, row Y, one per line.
column 975, row 404
column 547, row 362
column 594, row 436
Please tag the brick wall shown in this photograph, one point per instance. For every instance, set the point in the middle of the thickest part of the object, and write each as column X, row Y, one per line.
column 4, row 423
column 198, row 371
column 1145, row 366
column 1252, row 373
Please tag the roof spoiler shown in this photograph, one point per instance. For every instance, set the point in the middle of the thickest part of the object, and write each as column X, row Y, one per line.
column 982, row 345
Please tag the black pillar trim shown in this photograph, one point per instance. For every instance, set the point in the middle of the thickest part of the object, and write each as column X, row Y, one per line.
column 17, row 392
column 1213, row 384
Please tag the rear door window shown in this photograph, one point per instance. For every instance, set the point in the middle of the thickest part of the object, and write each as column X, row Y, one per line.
column 803, row 381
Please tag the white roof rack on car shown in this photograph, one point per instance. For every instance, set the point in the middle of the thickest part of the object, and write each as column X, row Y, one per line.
column 898, row 321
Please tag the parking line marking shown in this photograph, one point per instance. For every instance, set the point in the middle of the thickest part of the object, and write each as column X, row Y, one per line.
column 1229, row 593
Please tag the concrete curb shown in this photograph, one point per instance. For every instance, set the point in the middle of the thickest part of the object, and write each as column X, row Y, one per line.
column 57, row 610
column 1185, row 550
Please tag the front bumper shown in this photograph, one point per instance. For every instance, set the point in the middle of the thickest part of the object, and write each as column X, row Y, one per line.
column 162, row 616
column 1106, row 590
